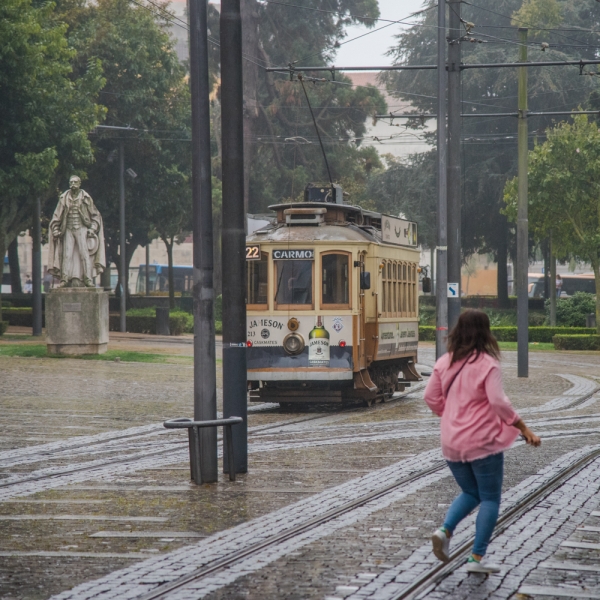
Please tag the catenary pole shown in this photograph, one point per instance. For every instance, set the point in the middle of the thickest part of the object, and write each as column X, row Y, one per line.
column 147, row 274
column 522, row 224
column 441, row 319
column 552, row 286
column 36, row 268
column 234, row 235
column 454, row 166
column 205, row 376
column 122, row 250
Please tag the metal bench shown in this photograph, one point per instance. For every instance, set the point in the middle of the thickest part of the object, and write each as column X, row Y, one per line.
column 193, row 428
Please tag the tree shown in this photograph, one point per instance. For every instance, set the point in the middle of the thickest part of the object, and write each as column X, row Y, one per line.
column 276, row 109
column 407, row 187
column 564, row 192
column 45, row 111
column 488, row 144
column 169, row 205
column 146, row 90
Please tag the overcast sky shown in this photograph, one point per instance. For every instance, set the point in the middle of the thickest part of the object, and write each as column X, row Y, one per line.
column 370, row 50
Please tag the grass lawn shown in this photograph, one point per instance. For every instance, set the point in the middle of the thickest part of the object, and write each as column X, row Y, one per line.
column 39, row 351
column 533, row 346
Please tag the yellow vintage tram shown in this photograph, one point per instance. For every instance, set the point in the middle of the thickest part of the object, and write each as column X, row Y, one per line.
column 332, row 303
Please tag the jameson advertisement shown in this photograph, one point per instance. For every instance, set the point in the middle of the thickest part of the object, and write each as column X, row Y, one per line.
column 318, row 346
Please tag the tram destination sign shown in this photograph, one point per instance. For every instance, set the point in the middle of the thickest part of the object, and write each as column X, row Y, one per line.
column 293, row 254
column 253, row 252
column 398, row 231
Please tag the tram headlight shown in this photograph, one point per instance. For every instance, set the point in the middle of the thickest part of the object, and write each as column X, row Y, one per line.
column 293, row 343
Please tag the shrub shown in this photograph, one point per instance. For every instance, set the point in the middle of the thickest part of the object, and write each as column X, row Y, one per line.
column 576, row 342
column 571, row 312
column 509, row 334
column 219, row 308
column 179, row 322
column 20, row 316
column 3, row 327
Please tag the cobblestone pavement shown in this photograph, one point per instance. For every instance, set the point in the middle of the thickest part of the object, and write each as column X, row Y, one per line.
column 95, row 494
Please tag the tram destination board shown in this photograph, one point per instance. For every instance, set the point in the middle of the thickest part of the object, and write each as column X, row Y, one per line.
column 398, row 231
column 293, row 254
column 253, row 252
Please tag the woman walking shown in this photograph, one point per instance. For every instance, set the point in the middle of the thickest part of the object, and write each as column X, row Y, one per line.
column 478, row 424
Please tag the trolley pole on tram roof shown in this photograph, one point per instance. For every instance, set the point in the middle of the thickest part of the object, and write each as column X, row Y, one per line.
column 441, row 319
column 235, row 402
column 454, row 162
column 205, row 376
column 522, row 223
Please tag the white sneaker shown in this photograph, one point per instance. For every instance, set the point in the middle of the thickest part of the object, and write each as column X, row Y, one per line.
column 441, row 545
column 482, row 567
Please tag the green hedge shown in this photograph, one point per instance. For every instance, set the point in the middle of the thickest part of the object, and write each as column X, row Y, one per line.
column 178, row 323
column 542, row 335
column 3, row 327
column 576, row 342
column 19, row 316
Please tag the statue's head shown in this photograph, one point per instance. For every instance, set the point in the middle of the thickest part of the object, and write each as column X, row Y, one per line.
column 74, row 183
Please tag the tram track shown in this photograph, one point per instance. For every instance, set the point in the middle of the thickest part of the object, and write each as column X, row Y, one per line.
column 96, row 465
column 164, row 590
column 138, row 454
column 423, row 583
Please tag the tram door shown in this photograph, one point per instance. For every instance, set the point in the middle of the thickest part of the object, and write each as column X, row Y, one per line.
column 362, row 346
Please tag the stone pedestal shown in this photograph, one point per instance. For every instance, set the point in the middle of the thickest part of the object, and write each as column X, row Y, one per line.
column 77, row 321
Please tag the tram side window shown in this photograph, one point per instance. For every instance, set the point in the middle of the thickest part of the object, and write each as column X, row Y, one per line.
column 399, row 287
column 257, row 273
column 335, row 275
column 294, row 284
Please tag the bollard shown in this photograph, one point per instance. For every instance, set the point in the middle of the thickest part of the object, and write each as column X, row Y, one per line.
column 162, row 321
column 193, row 428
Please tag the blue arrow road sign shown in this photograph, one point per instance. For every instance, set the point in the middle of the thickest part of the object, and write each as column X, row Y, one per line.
column 453, row 290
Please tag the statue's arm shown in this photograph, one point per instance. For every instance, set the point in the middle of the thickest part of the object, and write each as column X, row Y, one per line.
column 55, row 222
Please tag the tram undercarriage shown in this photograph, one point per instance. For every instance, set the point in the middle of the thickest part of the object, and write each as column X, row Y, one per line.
column 377, row 383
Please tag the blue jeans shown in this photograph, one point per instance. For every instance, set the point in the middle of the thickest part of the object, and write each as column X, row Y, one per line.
column 481, row 483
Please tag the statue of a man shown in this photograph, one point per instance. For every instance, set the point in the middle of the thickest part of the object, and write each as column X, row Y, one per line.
column 76, row 238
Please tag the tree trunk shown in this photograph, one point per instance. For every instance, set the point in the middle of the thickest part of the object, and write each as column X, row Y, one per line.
column 546, row 250
column 596, row 266
column 250, row 42
column 2, row 254
column 552, row 284
column 502, row 254
column 169, row 246
column 15, row 269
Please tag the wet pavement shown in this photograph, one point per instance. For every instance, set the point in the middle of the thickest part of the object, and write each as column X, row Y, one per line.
column 95, row 498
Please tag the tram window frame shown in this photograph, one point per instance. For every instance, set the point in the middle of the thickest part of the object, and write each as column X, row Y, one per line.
column 336, row 306
column 264, row 257
column 399, row 289
column 281, row 306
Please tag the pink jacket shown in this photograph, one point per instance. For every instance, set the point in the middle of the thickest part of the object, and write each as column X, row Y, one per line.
column 477, row 417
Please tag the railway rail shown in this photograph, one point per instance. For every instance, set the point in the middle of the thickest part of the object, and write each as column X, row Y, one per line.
column 145, row 454
column 457, row 558
column 422, row 583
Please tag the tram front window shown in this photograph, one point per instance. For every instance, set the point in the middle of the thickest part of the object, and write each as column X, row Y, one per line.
column 256, row 280
column 335, row 279
column 294, row 282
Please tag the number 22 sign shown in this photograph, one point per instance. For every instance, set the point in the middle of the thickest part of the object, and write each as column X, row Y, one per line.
column 253, row 252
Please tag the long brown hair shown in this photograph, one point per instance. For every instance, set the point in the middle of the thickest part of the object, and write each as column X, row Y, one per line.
column 472, row 335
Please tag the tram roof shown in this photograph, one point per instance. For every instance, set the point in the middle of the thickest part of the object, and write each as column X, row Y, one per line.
column 347, row 232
